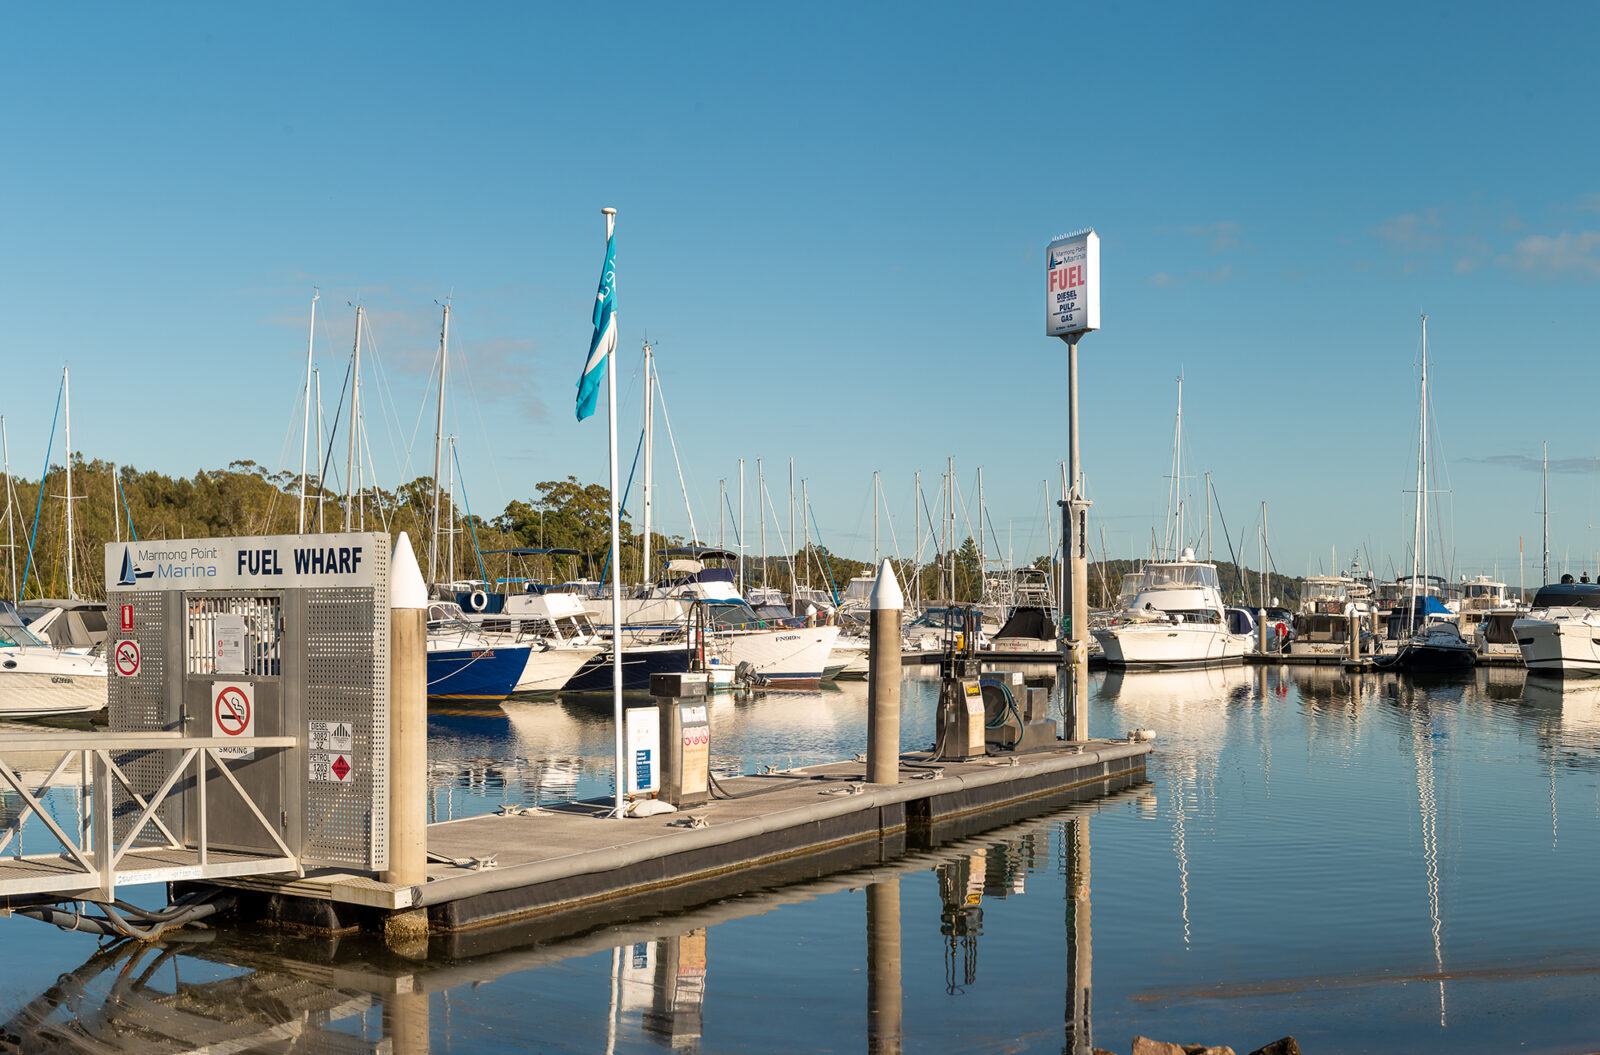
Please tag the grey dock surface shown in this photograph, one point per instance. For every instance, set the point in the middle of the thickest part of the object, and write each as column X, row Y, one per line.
column 573, row 860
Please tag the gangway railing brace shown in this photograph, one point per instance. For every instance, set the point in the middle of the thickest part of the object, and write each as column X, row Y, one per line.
column 87, row 867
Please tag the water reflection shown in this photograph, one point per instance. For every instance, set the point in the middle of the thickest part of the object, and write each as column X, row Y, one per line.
column 270, row 992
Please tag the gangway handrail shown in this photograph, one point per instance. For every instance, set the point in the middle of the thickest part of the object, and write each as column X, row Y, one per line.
column 96, row 852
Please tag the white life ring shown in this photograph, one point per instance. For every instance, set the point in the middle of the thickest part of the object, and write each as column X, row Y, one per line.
column 478, row 601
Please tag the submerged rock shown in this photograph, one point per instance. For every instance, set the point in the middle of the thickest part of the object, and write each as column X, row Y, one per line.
column 1283, row 1046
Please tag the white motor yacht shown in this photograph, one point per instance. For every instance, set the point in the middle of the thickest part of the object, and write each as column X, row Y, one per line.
column 1561, row 633
column 1176, row 619
column 40, row 681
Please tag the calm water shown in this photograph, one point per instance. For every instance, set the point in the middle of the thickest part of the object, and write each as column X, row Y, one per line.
column 1368, row 863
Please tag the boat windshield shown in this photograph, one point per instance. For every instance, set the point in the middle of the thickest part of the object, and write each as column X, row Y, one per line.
column 940, row 618
column 12, row 631
column 1180, row 577
column 737, row 616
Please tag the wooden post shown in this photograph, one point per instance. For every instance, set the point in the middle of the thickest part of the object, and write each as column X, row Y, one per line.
column 1355, row 635
column 408, row 737
column 883, row 688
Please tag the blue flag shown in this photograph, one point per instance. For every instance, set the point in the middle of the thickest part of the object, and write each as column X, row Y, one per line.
column 604, row 341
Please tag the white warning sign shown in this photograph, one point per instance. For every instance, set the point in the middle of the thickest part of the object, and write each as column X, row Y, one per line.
column 338, row 737
column 330, row 767
column 233, row 714
column 228, row 632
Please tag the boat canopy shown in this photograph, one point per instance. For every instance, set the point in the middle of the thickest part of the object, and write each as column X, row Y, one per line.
column 699, row 553
column 1180, row 575
column 1029, row 622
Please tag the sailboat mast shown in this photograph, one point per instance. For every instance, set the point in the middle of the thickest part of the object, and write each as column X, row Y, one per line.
column 116, row 513
column 355, row 416
column 1546, row 511
column 649, row 455
column 761, row 515
column 983, row 569
column 722, row 521
column 805, row 522
column 322, row 520
column 916, row 518
column 450, row 508
column 66, row 402
column 11, row 531
column 305, row 418
column 1419, row 531
column 794, row 582
column 741, row 527
column 438, row 446
column 1208, row 516
column 1177, row 476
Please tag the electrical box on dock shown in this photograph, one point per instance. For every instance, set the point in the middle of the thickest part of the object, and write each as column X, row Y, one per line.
column 685, row 738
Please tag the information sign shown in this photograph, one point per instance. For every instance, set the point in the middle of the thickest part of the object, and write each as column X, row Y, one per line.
column 1072, row 285
column 228, row 633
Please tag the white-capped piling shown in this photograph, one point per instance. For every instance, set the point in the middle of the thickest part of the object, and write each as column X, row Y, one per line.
column 883, row 686
column 885, row 1023
column 408, row 732
column 1355, row 635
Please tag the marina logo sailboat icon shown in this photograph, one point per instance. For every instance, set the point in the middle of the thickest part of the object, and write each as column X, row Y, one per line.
column 130, row 571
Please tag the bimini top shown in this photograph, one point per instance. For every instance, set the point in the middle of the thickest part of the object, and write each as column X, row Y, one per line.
column 1427, row 605
column 699, row 553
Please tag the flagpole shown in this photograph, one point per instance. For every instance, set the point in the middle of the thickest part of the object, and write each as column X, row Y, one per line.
column 616, row 555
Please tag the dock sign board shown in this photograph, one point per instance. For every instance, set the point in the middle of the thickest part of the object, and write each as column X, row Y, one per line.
column 1072, row 285
column 233, row 713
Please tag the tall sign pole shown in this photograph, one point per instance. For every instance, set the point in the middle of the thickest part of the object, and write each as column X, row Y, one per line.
column 1072, row 309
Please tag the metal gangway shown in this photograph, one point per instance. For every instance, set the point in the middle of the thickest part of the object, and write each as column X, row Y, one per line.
column 123, row 837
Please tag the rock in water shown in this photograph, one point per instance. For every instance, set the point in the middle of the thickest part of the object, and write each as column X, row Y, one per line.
column 1146, row 1046
column 1284, row 1046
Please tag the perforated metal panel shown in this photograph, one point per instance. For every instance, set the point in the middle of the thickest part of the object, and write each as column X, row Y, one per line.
column 347, row 679
column 142, row 702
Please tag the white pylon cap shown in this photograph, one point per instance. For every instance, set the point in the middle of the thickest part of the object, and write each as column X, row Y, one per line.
column 886, row 595
column 406, row 588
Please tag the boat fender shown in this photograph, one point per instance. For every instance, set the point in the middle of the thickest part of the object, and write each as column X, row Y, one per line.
column 478, row 601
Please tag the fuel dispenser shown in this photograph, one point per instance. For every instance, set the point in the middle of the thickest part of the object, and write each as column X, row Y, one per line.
column 959, row 723
column 685, row 738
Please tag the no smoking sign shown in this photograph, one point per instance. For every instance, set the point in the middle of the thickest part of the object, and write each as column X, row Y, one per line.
column 233, row 715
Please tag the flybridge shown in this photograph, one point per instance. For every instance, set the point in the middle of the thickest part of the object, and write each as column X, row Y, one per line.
column 262, row 562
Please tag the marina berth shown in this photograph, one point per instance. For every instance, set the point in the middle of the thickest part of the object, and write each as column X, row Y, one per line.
column 1558, row 635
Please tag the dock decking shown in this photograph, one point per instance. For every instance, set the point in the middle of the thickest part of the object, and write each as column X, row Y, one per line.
column 571, row 859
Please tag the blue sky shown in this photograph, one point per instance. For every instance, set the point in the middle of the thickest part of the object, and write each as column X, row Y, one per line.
column 831, row 222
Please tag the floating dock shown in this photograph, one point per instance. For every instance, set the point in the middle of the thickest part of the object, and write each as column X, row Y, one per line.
column 574, row 862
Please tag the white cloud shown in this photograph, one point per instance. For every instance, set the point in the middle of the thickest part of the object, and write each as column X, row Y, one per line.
column 1565, row 255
